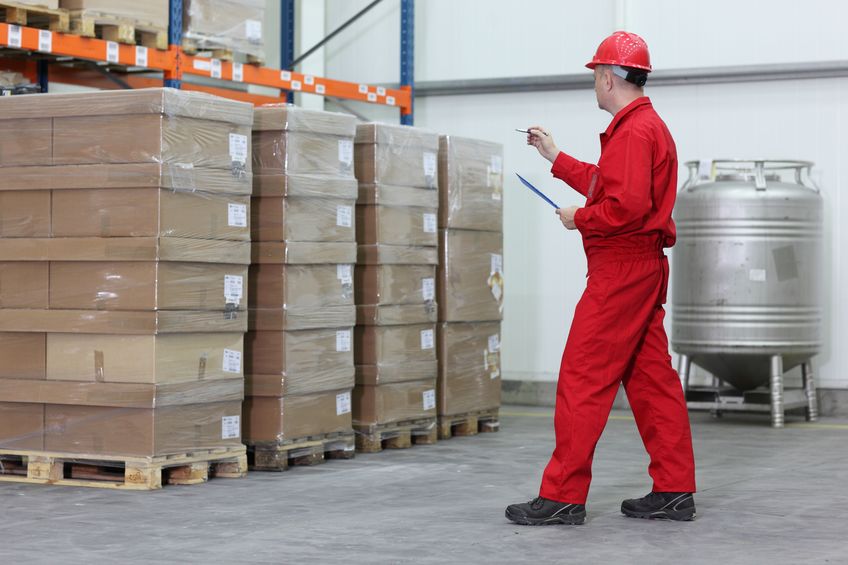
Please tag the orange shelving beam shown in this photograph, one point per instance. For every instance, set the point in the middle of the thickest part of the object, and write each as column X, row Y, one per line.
column 174, row 62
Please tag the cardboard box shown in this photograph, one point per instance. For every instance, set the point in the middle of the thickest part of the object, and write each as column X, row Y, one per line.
column 121, row 322
column 168, row 126
column 303, row 152
column 25, row 214
column 290, row 118
column 141, row 432
column 21, row 426
column 469, row 367
column 159, row 359
column 235, row 25
column 145, row 212
column 151, row 12
column 387, row 403
column 305, row 186
column 311, row 355
column 399, row 155
column 125, row 249
column 23, row 355
column 303, row 219
column 143, row 285
column 401, row 225
column 394, row 345
column 395, row 284
column 24, row 284
column 284, row 385
column 470, row 184
column 375, row 375
column 382, row 254
column 274, row 419
column 470, row 280
column 393, row 195
column 171, row 176
column 31, row 144
column 304, row 252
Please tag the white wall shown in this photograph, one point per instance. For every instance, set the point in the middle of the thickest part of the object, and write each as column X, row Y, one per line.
column 493, row 38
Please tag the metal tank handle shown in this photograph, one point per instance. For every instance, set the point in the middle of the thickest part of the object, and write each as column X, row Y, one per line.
column 759, row 171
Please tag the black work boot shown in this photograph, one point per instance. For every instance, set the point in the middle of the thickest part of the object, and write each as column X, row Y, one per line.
column 544, row 512
column 661, row 506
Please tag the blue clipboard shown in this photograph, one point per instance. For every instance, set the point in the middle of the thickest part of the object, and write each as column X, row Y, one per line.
column 537, row 191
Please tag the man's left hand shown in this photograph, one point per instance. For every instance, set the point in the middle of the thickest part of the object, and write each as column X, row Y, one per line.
column 566, row 216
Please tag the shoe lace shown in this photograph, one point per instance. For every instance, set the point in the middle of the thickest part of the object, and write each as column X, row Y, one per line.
column 537, row 502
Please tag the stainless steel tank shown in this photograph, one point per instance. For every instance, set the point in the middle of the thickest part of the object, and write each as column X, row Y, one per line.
column 746, row 270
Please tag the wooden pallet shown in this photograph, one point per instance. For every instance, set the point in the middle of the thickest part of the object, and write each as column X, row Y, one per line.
column 469, row 424
column 307, row 451
column 374, row 438
column 208, row 48
column 34, row 16
column 117, row 472
column 120, row 30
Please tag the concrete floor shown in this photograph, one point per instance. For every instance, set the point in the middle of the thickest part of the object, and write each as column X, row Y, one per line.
column 766, row 496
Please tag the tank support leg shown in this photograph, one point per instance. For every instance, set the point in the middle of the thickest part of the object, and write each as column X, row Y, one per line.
column 810, row 391
column 777, row 391
column 683, row 366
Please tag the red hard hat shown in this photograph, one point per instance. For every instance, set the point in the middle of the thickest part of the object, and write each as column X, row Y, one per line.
column 623, row 49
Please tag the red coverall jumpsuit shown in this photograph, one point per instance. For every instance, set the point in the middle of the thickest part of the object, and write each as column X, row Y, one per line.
column 617, row 334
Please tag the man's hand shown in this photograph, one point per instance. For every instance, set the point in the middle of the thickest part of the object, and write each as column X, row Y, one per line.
column 566, row 216
column 543, row 141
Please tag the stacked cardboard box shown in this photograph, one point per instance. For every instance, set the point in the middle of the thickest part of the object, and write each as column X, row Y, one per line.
column 233, row 25
column 153, row 13
column 395, row 276
column 124, row 245
column 300, row 347
column 470, row 279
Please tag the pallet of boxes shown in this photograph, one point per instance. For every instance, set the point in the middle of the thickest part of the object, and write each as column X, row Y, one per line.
column 124, row 249
column 122, row 21
column 300, row 346
column 225, row 29
column 394, row 402
column 470, row 285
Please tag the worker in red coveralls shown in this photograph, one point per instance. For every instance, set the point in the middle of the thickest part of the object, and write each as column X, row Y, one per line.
column 617, row 335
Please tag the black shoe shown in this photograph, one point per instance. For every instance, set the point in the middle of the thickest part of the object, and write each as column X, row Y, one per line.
column 543, row 512
column 662, row 506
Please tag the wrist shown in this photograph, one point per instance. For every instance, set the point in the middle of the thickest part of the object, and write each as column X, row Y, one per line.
column 552, row 155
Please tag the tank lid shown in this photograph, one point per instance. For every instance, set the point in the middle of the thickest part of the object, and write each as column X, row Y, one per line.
column 758, row 171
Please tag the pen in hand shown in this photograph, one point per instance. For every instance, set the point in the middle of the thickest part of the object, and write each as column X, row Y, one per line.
column 528, row 131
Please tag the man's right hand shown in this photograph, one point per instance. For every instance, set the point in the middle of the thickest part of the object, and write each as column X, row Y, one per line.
column 543, row 141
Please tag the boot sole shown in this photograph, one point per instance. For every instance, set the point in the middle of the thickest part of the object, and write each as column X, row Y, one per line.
column 675, row 515
column 566, row 520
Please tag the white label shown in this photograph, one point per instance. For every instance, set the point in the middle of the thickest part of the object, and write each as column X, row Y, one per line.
column 345, row 273
column 233, row 286
column 429, row 164
column 285, row 75
column 45, row 41
column 230, row 427
column 346, row 151
column 497, row 164
column 372, row 97
column 381, row 91
column 497, row 263
column 343, row 340
column 757, row 275
column 342, row 403
column 140, row 56
column 344, row 216
column 308, row 79
column 236, row 215
column 429, row 399
column 238, row 72
column 428, row 288
column 202, row 65
column 497, row 292
column 363, row 89
column 238, row 148
column 112, row 51
column 320, row 88
column 429, row 223
column 216, row 68
column 253, row 30
column 427, row 340
column 295, row 85
column 390, row 100
column 232, row 361
column 14, row 36
column 494, row 343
